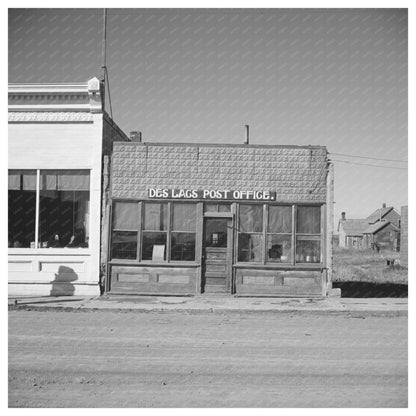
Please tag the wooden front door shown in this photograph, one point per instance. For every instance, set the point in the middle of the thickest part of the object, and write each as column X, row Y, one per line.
column 217, row 255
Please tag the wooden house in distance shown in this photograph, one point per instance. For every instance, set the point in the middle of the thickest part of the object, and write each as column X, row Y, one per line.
column 385, row 214
column 381, row 229
column 351, row 232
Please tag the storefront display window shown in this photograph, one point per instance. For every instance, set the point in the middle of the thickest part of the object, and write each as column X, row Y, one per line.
column 277, row 240
column 156, row 233
column 267, row 234
column 63, row 220
column 124, row 236
column 183, row 232
column 155, row 226
column 64, row 208
column 250, row 233
column 22, row 208
column 308, row 229
column 279, row 234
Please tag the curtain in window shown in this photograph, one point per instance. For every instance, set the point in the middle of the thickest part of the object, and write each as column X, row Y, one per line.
column 14, row 181
column 309, row 220
column 251, row 218
column 184, row 217
column 280, row 219
column 155, row 217
column 29, row 180
column 65, row 180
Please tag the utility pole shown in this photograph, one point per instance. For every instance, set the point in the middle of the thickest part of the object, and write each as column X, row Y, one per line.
column 104, row 60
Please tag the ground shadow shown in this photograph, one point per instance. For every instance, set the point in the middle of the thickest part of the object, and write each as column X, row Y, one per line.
column 370, row 290
column 62, row 285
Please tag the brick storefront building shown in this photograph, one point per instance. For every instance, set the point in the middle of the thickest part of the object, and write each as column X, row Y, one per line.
column 199, row 218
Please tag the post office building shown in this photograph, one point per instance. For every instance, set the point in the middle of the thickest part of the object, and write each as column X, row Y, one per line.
column 247, row 220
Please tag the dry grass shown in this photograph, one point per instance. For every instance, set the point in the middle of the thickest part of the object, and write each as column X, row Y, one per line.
column 352, row 265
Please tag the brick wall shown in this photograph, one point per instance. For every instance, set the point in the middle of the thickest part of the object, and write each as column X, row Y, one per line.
column 296, row 174
column 404, row 237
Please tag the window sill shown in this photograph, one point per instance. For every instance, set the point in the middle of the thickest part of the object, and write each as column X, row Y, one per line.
column 279, row 266
column 153, row 263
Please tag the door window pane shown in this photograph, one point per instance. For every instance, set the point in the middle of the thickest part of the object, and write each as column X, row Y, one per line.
column 215, row 233
column 279, row 248
column 280, row 219
column 124, row 245
column 125, row 216
column 308, row 220
column 251, row 218
column 21, row 208
column 155, row 217
column 184, row 217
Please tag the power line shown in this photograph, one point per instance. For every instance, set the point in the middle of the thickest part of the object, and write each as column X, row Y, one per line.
column 367, row 164
column 367, row 157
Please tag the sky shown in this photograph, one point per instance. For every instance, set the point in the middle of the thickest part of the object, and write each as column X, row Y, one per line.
column 331, row 77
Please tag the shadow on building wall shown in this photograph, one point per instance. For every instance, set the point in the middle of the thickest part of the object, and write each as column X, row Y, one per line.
column 62, row 285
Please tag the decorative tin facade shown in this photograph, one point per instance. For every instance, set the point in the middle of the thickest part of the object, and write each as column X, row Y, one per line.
column 239, row 219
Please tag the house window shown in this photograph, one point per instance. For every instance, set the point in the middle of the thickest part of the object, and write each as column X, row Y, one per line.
column 125, row 229
column 279, row 234
column 250, row 233
column 308, row 234
column 61, row 197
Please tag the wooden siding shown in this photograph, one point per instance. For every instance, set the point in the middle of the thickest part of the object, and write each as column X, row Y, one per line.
column 271, row 282
column 153, row 280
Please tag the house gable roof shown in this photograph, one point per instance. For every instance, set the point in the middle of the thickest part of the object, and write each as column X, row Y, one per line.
column 377, row 214
column 374, row 228
column 353, row 227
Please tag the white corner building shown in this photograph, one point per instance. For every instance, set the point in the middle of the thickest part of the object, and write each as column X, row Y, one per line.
column 59, row 140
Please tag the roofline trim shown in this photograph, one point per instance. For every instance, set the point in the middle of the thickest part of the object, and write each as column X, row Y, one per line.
column 184, row 144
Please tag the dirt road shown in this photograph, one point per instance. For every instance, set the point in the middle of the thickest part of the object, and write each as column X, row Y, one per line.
column 121, row 359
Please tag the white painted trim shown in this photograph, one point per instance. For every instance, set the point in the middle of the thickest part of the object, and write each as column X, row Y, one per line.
column 37, row 207
column 49, row 251
column 49, row 107
column 76, row 87
column 49, row 282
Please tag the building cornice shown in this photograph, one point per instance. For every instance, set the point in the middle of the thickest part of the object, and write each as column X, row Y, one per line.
column 49, row 117
column 68, row 97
